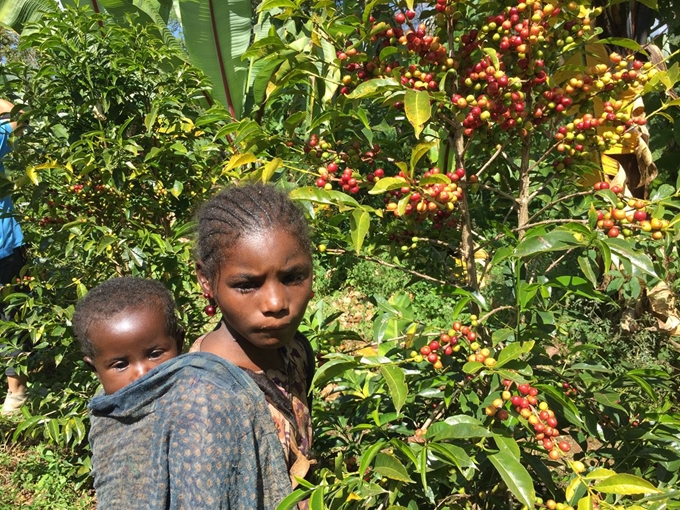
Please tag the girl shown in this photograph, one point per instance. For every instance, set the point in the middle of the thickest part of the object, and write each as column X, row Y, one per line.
column 255, row 265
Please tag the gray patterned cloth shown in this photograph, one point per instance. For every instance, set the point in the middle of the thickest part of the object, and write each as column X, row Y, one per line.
column 194, row 433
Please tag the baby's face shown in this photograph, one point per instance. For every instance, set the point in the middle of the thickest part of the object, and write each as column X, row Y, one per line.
column 128, row 345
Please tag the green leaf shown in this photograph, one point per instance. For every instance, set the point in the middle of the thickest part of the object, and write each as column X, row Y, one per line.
column 501, row 335
column 663, row 191
column 620, row 41
column 274, row 4
column 638, row 259
column 270, row 167
column 599, row 474
column 606, row 254
column 418, row 152
column 387, row 183
column 585, row 503
column 322, row 196
column 290, row 502
column 625, row 484
column 578, row 286
column 513, row 351
column 472, row 367
column 368, row 456
column 491, row 52
column 434, row 179
column 359, row 223
column 515, row 476
column 104, row 242
column 557, row 240
column 390, row 467
column 333, row 368
column 417, row 109
column 452, row 454
column 316, row 499
column 16, row 13
column 216, row 35
column 374, row 87
column 571, row 413
column 588, row 268
column 458, row 427
column 609, row 399
column 396, row 383
column 238, row 160
column 177, row 188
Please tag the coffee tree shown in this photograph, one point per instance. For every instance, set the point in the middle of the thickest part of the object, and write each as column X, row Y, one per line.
column 107, row 178
column 464, row 144
column 461, row 144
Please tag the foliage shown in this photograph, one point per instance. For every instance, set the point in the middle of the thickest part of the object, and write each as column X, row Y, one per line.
column 112, row 169
column 458, row 148
column 215, row 34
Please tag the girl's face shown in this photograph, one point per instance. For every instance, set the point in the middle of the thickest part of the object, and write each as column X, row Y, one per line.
column 262, row 288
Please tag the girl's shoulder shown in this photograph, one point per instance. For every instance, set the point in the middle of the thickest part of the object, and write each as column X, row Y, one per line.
column 196, row 346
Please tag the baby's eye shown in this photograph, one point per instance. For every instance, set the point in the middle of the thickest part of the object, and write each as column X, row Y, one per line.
column 157, row 353
column 119, row 365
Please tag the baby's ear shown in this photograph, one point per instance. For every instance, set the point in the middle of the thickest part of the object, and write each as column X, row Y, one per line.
column 90, row 364
column 181, row 334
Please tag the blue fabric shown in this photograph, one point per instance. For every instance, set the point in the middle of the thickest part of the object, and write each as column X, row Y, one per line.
column 194, row 433
column 11, row 236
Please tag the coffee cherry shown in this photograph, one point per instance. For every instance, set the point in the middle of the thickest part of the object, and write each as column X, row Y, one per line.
column 578, row 466
column 564, row 446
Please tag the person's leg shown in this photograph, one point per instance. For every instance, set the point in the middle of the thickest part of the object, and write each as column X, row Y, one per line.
column 10, row 268
column 16, row 384
column 16, row 394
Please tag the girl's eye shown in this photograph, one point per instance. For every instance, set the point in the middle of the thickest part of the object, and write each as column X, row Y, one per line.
column 246, row 286
column 295, row 278
column 119, row 365
column 156, row 354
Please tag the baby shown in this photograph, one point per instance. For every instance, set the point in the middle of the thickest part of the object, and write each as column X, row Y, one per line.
column 170, row 431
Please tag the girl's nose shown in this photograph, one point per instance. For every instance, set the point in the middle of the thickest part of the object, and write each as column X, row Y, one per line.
column 275, row 299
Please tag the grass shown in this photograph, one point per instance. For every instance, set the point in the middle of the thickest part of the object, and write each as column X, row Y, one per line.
column 37, row 476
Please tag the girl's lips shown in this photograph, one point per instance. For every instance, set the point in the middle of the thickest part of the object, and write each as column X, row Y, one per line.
column 273, row 329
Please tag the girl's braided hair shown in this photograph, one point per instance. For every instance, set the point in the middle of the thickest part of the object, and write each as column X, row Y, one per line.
column 240, row 211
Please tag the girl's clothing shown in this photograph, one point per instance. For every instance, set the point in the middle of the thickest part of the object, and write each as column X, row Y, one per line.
column 191, row 433
column 291, row 413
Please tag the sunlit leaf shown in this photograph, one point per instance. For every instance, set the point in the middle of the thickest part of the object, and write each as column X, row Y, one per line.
column 417, row 109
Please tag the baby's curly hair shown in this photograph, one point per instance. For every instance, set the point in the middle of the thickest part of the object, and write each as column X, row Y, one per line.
column 116, row 295
column 242, row 210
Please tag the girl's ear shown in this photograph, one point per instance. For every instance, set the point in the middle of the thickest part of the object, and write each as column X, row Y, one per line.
column 203, row 281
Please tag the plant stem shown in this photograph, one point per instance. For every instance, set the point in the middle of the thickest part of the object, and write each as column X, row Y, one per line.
column 523, row 198
column 466, row 239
